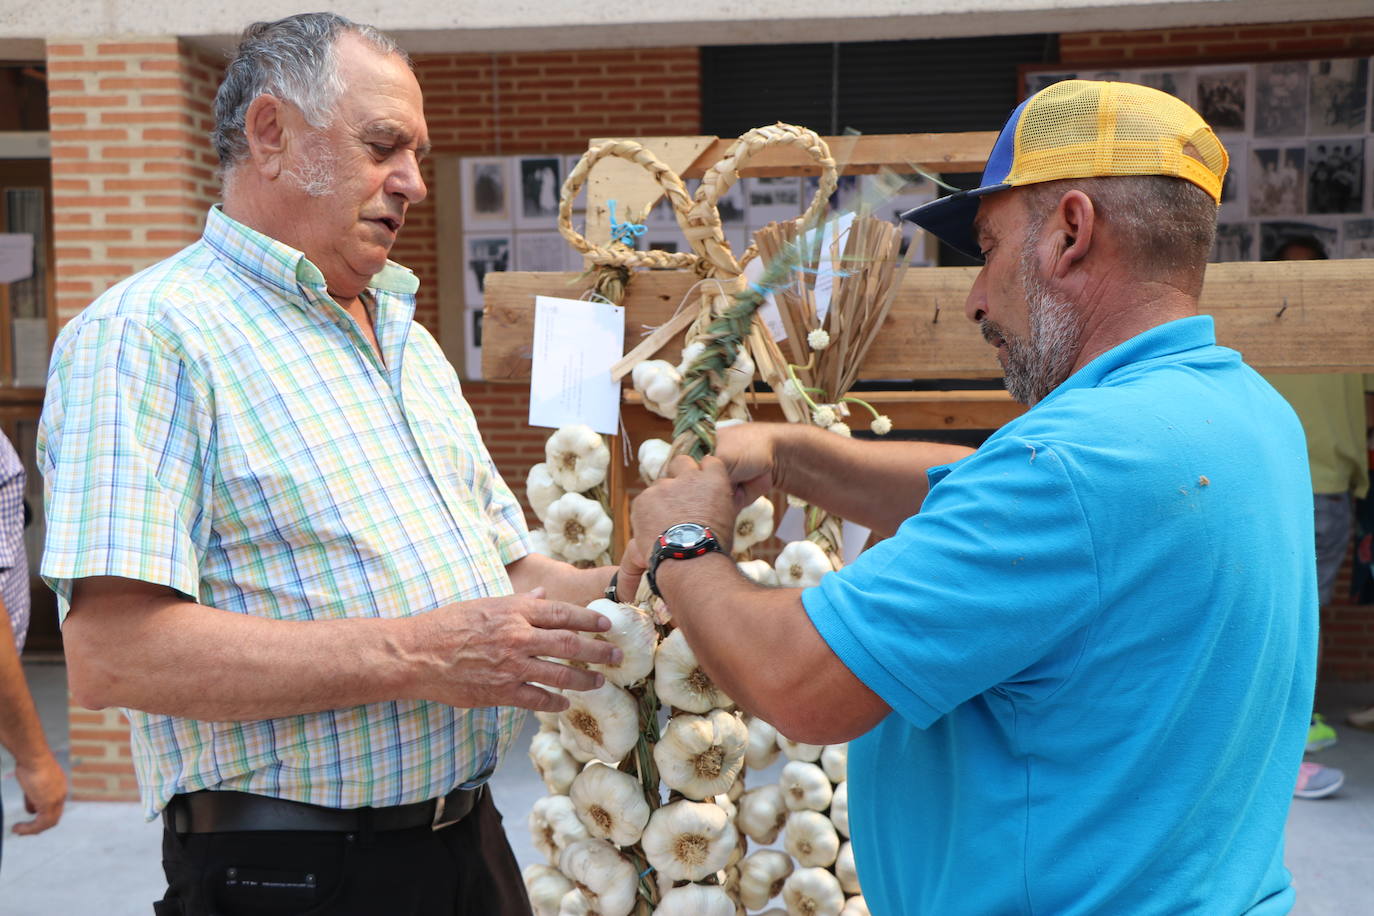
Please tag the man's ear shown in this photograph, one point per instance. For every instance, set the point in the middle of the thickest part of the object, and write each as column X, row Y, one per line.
column 267, row 133
column 1075, row 220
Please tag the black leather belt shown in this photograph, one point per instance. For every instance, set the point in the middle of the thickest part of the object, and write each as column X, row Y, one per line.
column 227, row 812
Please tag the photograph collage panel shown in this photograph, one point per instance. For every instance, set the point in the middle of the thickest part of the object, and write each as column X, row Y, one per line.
column 1300, row 136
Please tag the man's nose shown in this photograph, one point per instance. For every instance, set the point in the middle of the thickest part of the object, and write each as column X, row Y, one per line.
column 977, row 298
column 405, row 180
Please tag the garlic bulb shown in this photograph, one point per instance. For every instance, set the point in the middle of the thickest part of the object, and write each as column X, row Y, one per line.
column 758, row 571
column 632, row 630
column 660, row 384
column 603, row 875
column 575, row 904
column 610, row 804
column 795, row 750
column 653, row 457
column 737, row 377
column 567, row 737
column 844, row 869
column 805, row 787
column 695, row 900
column 762, row 813
column 763, row 744
column 754, row 524
column 700, row 756
column 800, row 564
column 539, row 543
column 546, row 886
column 552, row 762
column 578, row 527
column 541, row 490
column 577, row 458
column 810, row 838
column 603, row 722
column 554, row 824
column 686, row 840
column 813, row 892
column 855, row 906
column 835, row 762
column 679, row 681
column 839, row 808
column 548, row 721
column 761, row 875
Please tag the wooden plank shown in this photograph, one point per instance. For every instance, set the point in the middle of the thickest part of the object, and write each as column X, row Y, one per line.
column 970, row 409
column 862, row 154
column 1284, row 316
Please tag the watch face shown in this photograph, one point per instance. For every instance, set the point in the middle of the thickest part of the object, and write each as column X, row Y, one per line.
column 688, row 534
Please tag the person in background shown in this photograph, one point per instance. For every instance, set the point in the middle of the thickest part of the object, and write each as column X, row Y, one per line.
column 1333, row 408
column 37, row 771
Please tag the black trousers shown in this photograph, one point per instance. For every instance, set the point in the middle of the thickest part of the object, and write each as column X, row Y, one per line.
column 465, row 868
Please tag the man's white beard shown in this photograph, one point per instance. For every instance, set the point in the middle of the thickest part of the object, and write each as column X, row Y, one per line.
column 316, row 172
column 1036, row 366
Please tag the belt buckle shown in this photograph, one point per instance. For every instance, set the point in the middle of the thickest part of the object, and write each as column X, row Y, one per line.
column 439, row 823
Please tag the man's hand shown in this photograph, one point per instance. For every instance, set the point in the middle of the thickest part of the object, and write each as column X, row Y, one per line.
column 688, row 492
column 45, row 792
column 748, row 452
column 492, row 652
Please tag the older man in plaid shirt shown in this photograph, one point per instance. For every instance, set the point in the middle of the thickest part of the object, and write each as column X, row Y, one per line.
column 277, row 538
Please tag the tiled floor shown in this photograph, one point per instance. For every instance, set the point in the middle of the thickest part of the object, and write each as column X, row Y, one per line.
column 103, row 860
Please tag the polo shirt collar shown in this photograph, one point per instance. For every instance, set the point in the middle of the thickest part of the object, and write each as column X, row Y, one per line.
column 281, row 267
column 1168, row 339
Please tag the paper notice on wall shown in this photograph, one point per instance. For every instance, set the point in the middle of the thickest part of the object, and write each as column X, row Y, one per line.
column 16, row 256
column 793, row 528
column 575, row 344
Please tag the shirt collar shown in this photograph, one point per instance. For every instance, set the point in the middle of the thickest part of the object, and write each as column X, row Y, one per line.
column 282, row 267
column 1167, row 339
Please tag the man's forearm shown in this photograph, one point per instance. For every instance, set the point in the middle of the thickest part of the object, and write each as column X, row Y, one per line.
column 878, row 484
column 21, row 731
column 560, row 581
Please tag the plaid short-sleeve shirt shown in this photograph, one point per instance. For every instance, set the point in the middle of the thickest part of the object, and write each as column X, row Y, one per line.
column 219, row 425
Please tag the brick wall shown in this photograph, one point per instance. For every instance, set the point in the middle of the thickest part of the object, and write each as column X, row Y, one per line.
column 132, row 177
column 509, row 104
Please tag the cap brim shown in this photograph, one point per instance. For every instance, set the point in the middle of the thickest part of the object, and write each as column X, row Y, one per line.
column 950, row 219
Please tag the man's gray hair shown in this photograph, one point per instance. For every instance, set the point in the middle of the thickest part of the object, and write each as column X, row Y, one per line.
column 1167, row 223
column 293, row 59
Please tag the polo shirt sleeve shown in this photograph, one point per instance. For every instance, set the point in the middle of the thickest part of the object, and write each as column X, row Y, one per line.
column 125, row 450
column 995, row 570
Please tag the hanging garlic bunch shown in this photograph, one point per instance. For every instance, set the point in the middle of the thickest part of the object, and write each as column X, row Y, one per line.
column 577, row 458
column 633, row 632
column 659, row 384
column 687, row 840
column 578, row 527
column 700, row 756
column 681, row 681
column 610, row 804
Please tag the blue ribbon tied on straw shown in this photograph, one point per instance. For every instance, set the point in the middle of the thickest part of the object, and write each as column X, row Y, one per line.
column 624, row 233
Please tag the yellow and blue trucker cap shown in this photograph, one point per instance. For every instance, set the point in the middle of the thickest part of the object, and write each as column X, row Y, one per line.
column 1084, row 129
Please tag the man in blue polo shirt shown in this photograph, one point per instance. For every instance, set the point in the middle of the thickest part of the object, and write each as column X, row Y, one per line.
column 1081, row 661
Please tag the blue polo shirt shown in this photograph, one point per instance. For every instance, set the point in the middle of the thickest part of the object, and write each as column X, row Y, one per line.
column 1098, row 640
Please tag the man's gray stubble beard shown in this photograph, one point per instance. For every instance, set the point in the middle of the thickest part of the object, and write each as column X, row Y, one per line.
column 1036, row 366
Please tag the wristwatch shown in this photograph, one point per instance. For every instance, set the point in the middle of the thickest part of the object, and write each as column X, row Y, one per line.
column 680, row 542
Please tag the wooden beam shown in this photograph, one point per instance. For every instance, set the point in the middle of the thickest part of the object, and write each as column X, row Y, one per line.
column 970, row 409
column 1284, row 316
column 863, row 154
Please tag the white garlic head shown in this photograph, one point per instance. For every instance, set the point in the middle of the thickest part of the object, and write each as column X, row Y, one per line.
column 855, row 906
column 539, row 543
column 659, row 384
column 754, row 524
column 763, row 744
column 554, row 824
column 633, row 632
column 541, row 490
column 839, row 808
column 795, row 750
column 810, row 838
column 546, row 887
column 762, row 813
column 568, row 738
column 552, row 762
column 575, row 904
column 680, row 681
column 799, row 565
column 844, row 869
column 610, row 804
column 805, row 787
column 653, row 457
column 758, row 572
column 603, row 722
column 602, row 874
column 577, row 458
column 695, row 900
column 578, row 527
column 761, row 876
column 835, row 762
column 814, row 892
column 687, row 840
column 700, row 756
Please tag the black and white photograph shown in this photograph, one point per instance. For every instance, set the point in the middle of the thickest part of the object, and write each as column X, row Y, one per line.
column 544, row 252
column 1234, row 242
column 1281, row 99
column 540, row 184
column 1358, row 241
column 472, row 344
column 486, row 193
column 774, row 200
column 1339, row 98
column 1335, row 176
column 1276, row 181
column 1234, row 194
column 1037, row 81
column 483, row 255
column 1178, row 83
column 1274, row 236
column 1221, row 98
